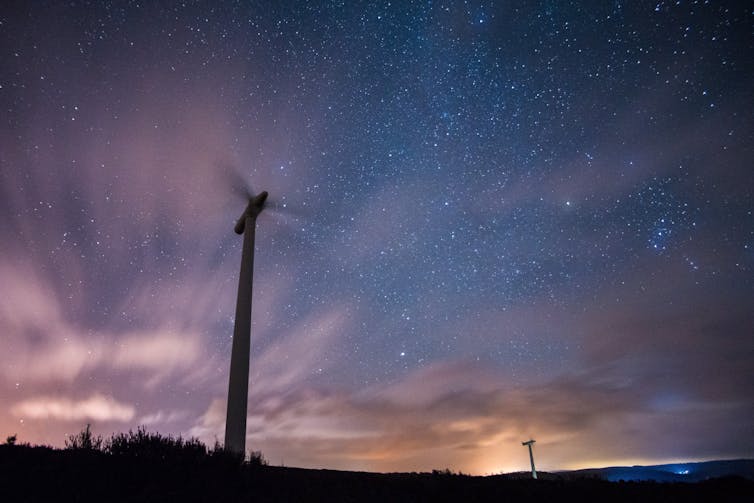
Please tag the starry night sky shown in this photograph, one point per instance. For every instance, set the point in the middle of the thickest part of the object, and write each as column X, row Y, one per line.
column 497, row 221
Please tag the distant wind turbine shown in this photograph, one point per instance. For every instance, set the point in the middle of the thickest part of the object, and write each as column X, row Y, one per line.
column 529, row 443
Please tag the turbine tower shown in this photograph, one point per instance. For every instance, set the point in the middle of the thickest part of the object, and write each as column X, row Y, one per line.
column 529, row 443
column 238, row 385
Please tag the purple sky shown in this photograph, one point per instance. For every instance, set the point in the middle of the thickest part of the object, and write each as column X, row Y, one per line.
column 502, row 222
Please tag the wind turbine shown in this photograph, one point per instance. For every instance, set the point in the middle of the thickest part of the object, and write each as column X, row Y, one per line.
column 529, row 443
column 238, row 384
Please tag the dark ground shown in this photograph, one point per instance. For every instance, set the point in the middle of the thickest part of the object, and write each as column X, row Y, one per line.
column 44, row 474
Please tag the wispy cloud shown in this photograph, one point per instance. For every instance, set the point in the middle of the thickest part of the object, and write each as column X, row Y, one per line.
column 211, row 424
column 300, row 352
column 162, row 417
column 156, row 350
column 47, row 347
column 95, row 408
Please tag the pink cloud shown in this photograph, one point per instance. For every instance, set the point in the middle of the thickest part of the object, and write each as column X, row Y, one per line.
column 300, row 352
column 45, row 346
column 95, row 408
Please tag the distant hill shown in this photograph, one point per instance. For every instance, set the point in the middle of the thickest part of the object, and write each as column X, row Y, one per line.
column 676, row 472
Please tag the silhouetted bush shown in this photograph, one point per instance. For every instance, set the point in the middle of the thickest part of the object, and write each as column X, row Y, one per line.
column 257, row 459
column 442, row 473
column 153, row 446
column 84, row 440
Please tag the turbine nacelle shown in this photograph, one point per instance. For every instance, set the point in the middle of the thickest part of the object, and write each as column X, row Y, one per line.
column 253, row 209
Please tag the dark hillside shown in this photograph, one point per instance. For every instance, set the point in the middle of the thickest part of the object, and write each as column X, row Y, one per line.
column 46, row 474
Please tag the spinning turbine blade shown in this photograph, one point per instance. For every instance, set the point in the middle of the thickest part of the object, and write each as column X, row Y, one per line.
column 236, row 181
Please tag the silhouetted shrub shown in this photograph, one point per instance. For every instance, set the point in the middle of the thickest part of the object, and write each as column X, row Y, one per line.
column 257, row 459
column 11, row 440
column 442, row 473
column 84, row 440
column 153, row 446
